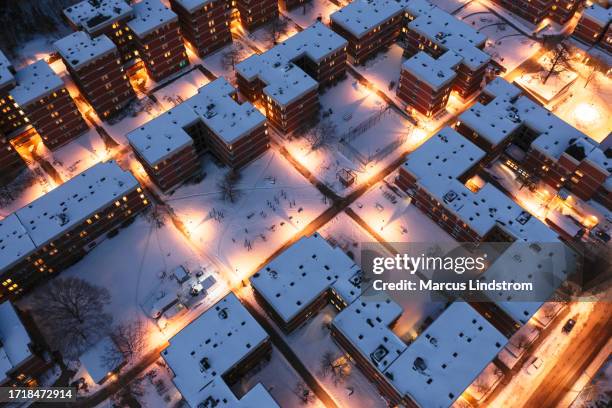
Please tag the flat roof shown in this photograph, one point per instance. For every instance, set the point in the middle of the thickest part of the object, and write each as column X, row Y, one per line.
column 222, row 114
column 78, row 48
column 202, row 352
column 443, row 158
column 542, row 264
column 71, row 203
column 192, row 5
column 15, row 243
column 500, row 87
column 35, row 81
column 6, row 72
column 362, row 16
column 91, row 16
column 495, row 122
column 14, row 339
column 295, row 278
column 317, row 41
column 595, row 12
column 434, row 72
column 149, row 15
column 444, row 360
column 453, row 34
column 160, row 138
column 285, row 81
column 365, row 323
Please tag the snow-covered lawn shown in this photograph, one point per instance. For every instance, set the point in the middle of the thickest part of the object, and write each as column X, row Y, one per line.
column 279, row 378
column 275, row 202
column 264, row 37
column 29, row 185
column 555, row 86
column 344, row 232
column 505, row 44
column 345, row 108
column 384, row 69
column 586, row 105
column 78, row 155
column 220, row 62
column 450, row 6
column 308, row 14
column 311, row 342
column 393, row 217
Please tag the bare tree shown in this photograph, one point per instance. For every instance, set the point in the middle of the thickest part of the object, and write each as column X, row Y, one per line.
column 72, row 314
column 277, row 28
column 323, row 134
column 228, row 188
column 560, row 57
column 336, row 366
column 304, row 394
column 229, row 58
column 130, row 338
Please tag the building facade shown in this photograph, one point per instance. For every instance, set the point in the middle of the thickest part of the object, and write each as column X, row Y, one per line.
column 280, row 79
column 212, row 121
column 23, row 358
column 425, row 83
column 97, row 70
column 157, row 38
column 593, row 24
column 205, row 24
column 255, row 13
column 59, row 228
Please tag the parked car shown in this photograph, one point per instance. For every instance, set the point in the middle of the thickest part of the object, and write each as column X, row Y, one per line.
column 569, row 325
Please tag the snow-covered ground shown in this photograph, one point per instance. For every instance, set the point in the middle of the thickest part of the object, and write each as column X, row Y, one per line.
column 345, row 108
column 281, row 381
column 394, row 218
column 450, row 6
column 505, row 44
column 275, row 202
column 265, row 36
column 308, row 14
column 220, row 62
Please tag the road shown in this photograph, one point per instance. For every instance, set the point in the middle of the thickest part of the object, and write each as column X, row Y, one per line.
column 575, row 359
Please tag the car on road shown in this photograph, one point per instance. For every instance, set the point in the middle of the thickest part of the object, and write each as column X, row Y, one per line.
column 569, row 325
column 534, row 366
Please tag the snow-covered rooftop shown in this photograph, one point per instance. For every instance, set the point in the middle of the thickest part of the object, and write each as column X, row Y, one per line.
column 557, row 135
column 361, row 16
column 316, row 42
column 434, row 72
column 294, row 279
column 595, row 12
column 500, row 87
column 544, row 265
column 14, row 339
column 444, row 360
column 35, row 81
column 452, row 34
column 94, row 15
column 74, row 201
column 228, row 119
column 494, row 122
column 192, row 5
column 149, row 15
column 365, row 323
column 96, row 359
column 6, row 75
column 438, row 163
column 15, row 243
column 285, row 81
column 78, row 49
column 201, row 353
column 163, row 136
